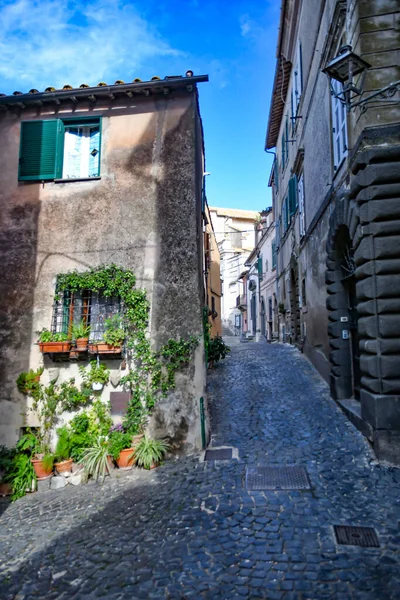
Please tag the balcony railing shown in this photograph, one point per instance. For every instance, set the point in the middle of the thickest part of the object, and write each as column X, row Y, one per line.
column 241, row 302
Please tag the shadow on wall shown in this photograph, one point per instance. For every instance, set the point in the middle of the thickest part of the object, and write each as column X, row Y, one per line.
column 18, row 249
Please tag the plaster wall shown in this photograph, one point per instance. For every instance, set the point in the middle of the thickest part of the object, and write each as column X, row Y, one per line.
column 142, row 214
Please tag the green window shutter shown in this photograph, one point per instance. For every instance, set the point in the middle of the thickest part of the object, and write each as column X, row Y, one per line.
column 259, row 268
column 274, row 254
column 38, row 150
column 292, row 195
column 276, row 174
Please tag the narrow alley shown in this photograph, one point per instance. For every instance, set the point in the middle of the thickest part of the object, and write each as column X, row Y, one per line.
column 194, row 529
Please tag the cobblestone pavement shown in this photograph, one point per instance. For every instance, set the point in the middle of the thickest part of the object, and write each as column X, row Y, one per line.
column 192, row 530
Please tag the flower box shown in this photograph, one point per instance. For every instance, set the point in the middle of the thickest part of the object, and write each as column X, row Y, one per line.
column 53, row 347
column 102, row 348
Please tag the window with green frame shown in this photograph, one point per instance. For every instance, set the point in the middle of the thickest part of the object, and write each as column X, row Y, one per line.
column 60, row 149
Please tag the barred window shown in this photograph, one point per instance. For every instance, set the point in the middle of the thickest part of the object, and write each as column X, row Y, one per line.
column 93, row 308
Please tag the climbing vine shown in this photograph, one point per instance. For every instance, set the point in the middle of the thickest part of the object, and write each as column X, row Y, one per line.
column 153, row 373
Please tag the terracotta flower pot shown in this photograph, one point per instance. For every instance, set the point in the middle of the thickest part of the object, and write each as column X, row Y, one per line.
column 136, row 439
column 41, row 472
column 126, row 459
column 50, row 347
column 64, row 466
column 82, row 344
column 102, row 348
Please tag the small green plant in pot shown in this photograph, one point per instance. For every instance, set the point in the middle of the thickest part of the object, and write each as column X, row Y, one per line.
column 63, row 460
column 80, row 333
column 96, row 376
column 114, row 334
column 53, row 342
column 121, row 447
column 28, row 383
column 33, row 444
column 149, row 452
column 95, row 460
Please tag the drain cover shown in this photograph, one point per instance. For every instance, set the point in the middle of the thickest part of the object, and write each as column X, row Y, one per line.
column 356, row 536
column 277, row 478
column 218, row 454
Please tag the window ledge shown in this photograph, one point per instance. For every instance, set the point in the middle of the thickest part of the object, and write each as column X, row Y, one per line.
column 72, row 180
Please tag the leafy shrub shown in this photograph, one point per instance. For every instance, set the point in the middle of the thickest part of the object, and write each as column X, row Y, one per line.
column 27, row 382
column 21, row 475
column 217, row 349
column 63, row 447
column 118, row 441
column 149, row 452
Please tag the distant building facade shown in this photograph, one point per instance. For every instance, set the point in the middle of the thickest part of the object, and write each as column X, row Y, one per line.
column 234, row 231
column 212, row 273
column 336, row 184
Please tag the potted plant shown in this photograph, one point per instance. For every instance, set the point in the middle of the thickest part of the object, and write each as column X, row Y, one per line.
column 63, row 460
column 121, row 447
column 80, row 333
column 96, row 376
column 28, row 383
column 95, row 460
column 149, row 452
column 50, row 342
column 21, row 476
column 113, row 337
column 7, row 456
column 40, row 456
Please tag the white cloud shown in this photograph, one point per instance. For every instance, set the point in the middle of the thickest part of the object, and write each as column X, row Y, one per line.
column 54, row 42
column 245, row 25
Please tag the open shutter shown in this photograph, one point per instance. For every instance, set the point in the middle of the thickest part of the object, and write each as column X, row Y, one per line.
column 273, row 254
column 292, row 195
column 38, row 150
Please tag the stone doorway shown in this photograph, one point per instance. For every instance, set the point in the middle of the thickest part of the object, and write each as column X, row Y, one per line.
column 295, row 303
column 262, row 315
column 346, row 269
column 343, row 329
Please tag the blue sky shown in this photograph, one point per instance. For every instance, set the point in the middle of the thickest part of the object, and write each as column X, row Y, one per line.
column 54, row 42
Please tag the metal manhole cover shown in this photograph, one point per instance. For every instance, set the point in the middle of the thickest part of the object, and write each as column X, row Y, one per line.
column 277, row 478
column 218, row 454
column 356, row 536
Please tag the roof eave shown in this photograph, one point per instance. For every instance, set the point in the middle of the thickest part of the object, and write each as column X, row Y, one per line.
column 101, row 91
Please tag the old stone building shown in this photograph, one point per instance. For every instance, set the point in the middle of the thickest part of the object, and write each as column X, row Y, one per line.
column 92, row 176
column 234, row 232
column 212, row 273
column 261, row 281
column 334, row 124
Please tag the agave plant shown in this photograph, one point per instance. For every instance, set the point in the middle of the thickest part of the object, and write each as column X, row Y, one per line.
column 150, row 452
column 95, row 459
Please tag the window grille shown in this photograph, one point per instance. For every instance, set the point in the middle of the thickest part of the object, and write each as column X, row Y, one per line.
column 93, row 308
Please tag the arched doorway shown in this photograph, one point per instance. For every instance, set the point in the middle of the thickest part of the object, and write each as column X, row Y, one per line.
column 262, row 315
column 295, row 303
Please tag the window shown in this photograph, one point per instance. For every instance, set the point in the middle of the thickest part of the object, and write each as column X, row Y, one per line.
column 273, row 254
column 297, row 80
column 339, row 126
column 93, row 308
column 300, row 195
column 59, row 148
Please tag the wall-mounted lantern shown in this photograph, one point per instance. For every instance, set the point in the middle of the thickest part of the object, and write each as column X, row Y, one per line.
column 345, row 68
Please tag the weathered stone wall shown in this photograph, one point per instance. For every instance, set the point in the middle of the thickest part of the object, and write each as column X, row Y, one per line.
column 142, row 215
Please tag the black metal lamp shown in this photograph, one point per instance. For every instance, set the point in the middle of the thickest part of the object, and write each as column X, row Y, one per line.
column 344, row 68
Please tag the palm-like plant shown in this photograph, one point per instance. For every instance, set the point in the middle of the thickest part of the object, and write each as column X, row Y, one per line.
column 149, row 452
column 95, row 459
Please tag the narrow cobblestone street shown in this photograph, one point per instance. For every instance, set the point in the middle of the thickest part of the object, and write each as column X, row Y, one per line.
column 191, row 529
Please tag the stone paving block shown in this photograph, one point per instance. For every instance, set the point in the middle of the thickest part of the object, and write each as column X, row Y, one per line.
column 146, row 535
